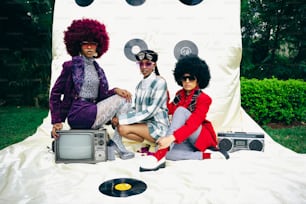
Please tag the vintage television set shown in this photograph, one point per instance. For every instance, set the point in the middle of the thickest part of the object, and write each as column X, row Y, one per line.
column 81, row 146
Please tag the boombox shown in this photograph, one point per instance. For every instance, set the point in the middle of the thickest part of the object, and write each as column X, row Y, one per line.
column 234, row 141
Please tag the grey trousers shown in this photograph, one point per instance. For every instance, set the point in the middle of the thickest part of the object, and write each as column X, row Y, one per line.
column 185, row 150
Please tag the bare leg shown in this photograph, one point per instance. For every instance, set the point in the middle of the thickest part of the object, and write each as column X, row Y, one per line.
column 137, row 132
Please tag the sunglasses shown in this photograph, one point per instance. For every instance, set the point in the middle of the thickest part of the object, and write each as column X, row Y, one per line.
column 190, row 78
column 86, row 43
column 147, row 64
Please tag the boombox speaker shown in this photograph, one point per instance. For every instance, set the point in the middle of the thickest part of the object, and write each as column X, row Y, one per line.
column 234, row 141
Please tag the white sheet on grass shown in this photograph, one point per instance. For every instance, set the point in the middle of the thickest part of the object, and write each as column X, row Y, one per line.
column 277, row 175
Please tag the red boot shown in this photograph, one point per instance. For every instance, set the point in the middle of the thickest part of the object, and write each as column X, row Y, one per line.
column 155, row 161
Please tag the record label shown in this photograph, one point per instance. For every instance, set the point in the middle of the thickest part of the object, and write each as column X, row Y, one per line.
column 122, row 187
column 184, row 48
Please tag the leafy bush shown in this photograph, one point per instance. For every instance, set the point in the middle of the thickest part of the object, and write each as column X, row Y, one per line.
column 25, row 54
column 273, row 100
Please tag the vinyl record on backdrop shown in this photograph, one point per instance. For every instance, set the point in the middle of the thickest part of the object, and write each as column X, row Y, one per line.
column 122, row 187
column 134, row 46
column 191, row 2
column 83, row 2
column 135, row 2
column 184, row 48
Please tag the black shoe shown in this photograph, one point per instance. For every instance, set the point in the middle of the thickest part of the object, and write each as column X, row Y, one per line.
column 223, row 152
column 110, row 123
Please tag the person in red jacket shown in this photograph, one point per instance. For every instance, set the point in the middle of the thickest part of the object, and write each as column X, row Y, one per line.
column 190, row 135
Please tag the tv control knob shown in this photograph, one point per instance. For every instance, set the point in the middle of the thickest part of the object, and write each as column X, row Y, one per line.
column 101, row 142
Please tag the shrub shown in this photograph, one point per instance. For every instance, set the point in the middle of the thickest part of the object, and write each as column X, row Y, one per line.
column 273, row 100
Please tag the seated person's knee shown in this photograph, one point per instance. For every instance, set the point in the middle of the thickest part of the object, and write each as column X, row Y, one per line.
column 122, row 130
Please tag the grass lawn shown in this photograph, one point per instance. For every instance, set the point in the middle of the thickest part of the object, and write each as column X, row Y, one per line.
column 293, row 137
column 17, row 123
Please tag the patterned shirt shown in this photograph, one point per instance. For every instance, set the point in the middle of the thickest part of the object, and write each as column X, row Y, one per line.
column 90, row 86
column 150, row 106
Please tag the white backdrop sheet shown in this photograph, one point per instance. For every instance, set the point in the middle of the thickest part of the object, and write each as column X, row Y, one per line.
column 277, row 175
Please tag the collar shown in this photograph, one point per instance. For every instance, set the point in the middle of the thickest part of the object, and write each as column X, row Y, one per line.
column 145, row 83
column 88, row 61
column 191, row 92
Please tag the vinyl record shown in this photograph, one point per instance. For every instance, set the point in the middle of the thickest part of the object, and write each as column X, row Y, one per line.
column 184, row 48
column 83, row 3
column 122, row 187
column 135, row 2
column 191, row 2
column 135, row 45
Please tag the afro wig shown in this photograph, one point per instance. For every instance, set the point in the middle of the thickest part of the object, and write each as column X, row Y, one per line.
column 86, row 30
column 193, row 65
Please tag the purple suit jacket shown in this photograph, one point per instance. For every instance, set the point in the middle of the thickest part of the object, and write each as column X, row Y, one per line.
column 81, row 114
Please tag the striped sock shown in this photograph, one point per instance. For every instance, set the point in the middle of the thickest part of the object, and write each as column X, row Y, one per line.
column 161, row 153
column 206, row 155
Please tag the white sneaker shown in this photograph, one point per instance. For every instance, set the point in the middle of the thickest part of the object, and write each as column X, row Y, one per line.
column 150, row 163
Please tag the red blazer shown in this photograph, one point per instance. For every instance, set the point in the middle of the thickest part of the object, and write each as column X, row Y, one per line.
column 207, row 137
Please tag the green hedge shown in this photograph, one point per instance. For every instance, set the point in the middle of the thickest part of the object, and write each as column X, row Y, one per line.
column 273, row 100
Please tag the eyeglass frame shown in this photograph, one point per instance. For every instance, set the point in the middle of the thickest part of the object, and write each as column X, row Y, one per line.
column 190, row 78
column 147, row 63
column 88, row 43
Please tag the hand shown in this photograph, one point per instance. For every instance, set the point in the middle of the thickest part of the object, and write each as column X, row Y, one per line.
column 124, row 93
column 115, row 122
column 56, row 126
column 165, row 142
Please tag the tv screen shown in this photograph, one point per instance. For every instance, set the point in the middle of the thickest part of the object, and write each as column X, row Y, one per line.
column 81, row 146
column 75, row 146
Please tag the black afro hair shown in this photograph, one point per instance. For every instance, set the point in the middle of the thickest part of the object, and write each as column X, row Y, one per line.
column 194, row 66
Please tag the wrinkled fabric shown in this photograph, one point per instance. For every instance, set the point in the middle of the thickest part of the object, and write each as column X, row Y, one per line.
column 30, row 175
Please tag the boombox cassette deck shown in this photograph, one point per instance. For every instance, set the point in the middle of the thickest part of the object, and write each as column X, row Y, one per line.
column 234, row 141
